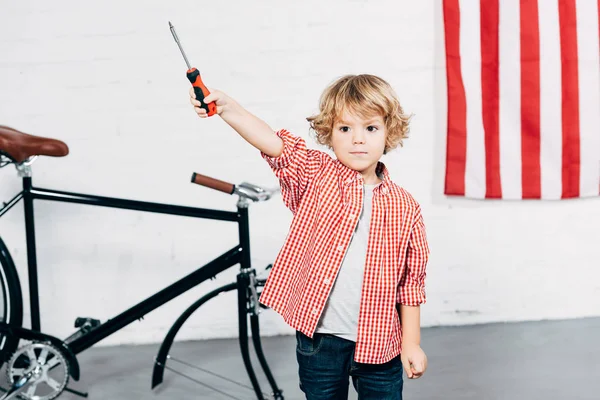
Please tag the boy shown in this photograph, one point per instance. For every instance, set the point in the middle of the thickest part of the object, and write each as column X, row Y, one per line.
column 350, row 276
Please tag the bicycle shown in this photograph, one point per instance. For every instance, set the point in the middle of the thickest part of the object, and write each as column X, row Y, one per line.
column 40, row 370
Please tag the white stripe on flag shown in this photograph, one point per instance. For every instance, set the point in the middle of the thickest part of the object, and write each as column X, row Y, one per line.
column 550, row 101
column 470, row 55
column 589, row 96
column 510, row 99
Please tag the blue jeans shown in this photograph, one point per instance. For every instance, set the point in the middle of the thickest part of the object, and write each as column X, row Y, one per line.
column 326, row 362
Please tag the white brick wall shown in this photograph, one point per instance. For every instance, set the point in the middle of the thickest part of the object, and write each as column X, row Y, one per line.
column 108, row 79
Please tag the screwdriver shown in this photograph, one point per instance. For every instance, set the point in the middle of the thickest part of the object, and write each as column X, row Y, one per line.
column 194, row 77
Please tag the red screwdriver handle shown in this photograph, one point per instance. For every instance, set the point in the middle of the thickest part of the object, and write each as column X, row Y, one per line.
column 201, row 91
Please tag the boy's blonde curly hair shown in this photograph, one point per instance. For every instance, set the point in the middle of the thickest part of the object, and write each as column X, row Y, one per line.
column 365, row 95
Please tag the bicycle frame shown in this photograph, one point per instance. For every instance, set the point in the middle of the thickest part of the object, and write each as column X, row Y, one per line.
column 239, row 254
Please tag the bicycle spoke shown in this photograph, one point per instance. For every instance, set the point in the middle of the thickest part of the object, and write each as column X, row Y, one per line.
column 43, row 356
column 53, row 362
column 202, row 383
column 31, row 355
column 31, row 390
column 214, row 374
column 18, row 372
column 53, row 383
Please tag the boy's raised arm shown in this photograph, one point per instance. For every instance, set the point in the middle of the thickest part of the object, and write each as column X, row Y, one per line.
column 287, row 154
column 254, row 130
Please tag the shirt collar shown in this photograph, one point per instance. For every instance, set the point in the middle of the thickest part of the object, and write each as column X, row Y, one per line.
column 349, row 176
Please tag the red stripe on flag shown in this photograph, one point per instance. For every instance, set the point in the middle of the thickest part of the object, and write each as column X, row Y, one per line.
column 530, row 100
column 456, row 150
column 490, row 94
column 570, row 99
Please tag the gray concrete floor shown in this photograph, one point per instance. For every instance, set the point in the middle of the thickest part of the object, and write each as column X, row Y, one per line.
column 535, row 360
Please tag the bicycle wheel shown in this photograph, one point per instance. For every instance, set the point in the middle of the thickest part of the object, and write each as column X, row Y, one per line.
column 11, row 302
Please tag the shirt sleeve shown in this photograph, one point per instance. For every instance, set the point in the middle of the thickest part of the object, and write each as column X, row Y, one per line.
column 294, row 168
column 411, row 290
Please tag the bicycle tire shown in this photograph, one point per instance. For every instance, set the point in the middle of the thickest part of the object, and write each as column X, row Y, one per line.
column 11, row 308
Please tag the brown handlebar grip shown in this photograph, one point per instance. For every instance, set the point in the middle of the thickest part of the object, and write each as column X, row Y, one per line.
column 213, row 183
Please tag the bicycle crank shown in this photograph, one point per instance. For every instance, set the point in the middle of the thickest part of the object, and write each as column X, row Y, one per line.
column 37, row 371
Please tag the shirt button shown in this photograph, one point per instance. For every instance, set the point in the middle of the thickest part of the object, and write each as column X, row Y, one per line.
column 384, row 191
column 326, row 280
column 340, row 248
column 315, row 311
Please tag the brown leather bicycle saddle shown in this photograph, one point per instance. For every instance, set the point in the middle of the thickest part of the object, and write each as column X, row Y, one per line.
column 20, row 146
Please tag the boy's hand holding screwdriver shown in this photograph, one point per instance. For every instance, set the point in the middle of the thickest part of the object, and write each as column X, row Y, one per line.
column 222, row 101
column 254, row 130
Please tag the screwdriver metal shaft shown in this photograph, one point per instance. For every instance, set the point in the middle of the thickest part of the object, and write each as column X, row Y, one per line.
column 179, row 44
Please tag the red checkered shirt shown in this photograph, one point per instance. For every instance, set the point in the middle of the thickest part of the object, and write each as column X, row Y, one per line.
column 326, row 200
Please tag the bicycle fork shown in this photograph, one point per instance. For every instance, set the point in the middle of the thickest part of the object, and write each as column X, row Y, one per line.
column 248, row 304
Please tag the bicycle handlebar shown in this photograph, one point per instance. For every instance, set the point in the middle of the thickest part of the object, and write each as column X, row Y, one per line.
column 244, row 189
column 213, row 183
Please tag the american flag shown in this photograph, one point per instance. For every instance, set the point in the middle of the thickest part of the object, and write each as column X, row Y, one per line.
column 523, row 79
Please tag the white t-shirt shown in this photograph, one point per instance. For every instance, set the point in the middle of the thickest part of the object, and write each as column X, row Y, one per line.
column 340, row 316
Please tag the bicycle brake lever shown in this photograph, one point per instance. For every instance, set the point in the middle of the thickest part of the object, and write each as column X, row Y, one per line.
column 254, row 192
column 251, row 186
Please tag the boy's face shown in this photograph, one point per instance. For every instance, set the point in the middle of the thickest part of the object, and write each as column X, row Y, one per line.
column 359, row 143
